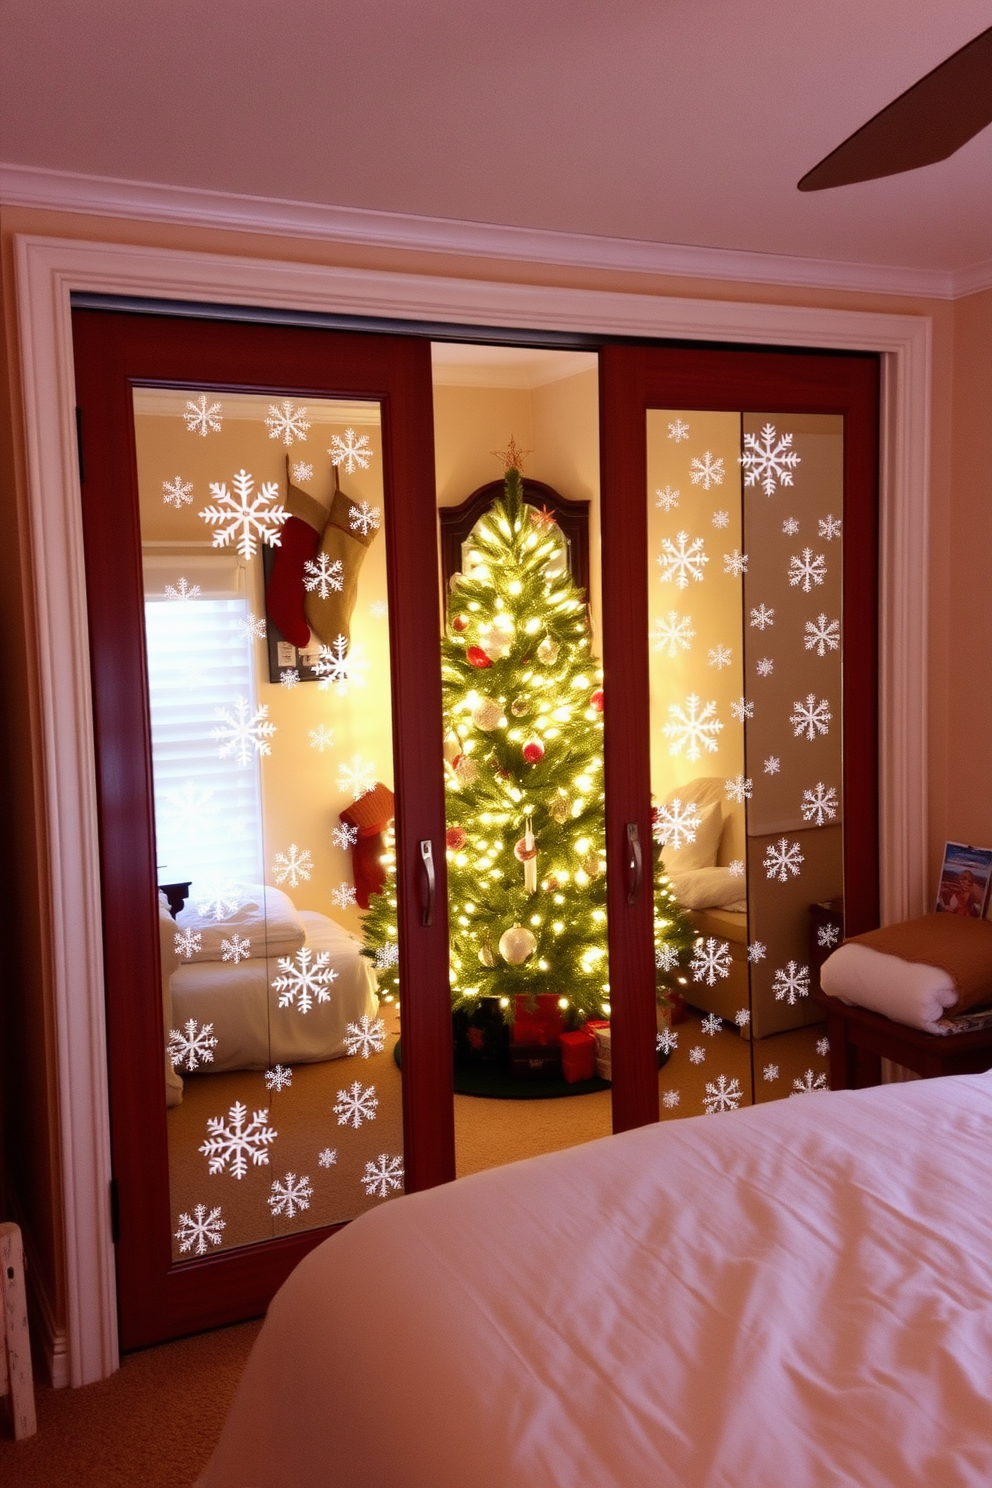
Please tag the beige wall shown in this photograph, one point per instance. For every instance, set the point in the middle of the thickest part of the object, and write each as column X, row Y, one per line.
column 961, row 623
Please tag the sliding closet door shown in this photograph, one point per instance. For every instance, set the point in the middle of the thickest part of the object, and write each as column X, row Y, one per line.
column 740, row 652
column 259, row 522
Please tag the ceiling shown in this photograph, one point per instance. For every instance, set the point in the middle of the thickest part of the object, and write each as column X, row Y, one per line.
column 666, row 121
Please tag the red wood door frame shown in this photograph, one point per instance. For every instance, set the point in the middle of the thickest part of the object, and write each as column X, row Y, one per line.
column 632, row 380
column 113, row 352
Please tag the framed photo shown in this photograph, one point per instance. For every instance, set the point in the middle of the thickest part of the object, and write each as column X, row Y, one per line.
column 964, row 880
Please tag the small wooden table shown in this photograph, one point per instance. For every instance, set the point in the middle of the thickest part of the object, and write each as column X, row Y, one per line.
column 860, row 1040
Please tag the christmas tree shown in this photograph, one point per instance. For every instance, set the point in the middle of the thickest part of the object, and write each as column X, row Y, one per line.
column 523, row 716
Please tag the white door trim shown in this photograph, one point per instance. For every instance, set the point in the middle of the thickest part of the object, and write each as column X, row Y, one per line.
column 47, row 271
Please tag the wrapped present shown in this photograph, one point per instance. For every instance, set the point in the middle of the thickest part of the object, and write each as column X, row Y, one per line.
column 535, row 1061
column 537, row 1019
column 591, row 1024
column 578, row 1056
column 604, row 1062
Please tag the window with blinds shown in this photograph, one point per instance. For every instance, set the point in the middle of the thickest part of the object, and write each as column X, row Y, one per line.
column 208, row 813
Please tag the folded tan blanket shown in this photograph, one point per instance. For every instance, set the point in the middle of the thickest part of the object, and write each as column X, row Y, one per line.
column 959, row 946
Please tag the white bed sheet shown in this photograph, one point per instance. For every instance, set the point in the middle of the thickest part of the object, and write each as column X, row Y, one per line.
column 796, row 1295
column 251, row 1029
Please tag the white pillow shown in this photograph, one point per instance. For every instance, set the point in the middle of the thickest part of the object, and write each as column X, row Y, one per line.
column 265, row 917
column 702, row 852
column 707, row 888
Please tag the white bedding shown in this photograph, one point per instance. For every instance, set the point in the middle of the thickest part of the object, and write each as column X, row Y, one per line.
column 251, row 1029
column 907, row 991
column 796, row 1295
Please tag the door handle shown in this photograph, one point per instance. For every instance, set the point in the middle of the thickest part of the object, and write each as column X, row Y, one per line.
column 635, row 863
column 427, row 858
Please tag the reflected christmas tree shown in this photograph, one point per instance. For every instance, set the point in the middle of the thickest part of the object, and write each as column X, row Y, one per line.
column 523, row 717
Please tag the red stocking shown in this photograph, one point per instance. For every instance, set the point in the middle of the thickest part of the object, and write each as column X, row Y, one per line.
column 299, row 537
column 371, row 814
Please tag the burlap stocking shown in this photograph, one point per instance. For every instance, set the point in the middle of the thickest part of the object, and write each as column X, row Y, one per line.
column 330, row 602
column 298, row 541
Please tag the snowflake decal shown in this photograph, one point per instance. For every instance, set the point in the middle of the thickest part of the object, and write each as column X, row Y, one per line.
column 768, row 460
column 823, row 635
column 327, row 1158
column 237, row 949
column 706, row 471
column 667, row 499
column 672, row 633
column 808, row 1083
column 710, row 959
column 735, row 564
column 829, row 527
column 352, row 451
column 289, row 678
column 232, row 1144
column 358, row 777
column 187, row 943
column 343, row 897
column 666, row 957
column 742, row 709
column 303, row 984
column 736, row 868
column 711, row 1024
column 325, row 575
column 770, row 1072
column 676, row 824
column 278, row 1078
column 790, row 526
column 692, row 728
column 200, row 1230
column 721, row 519
column 670, row 1099
column 217, row 900
column 379, row 608
column 819, row 805
column 252, row 627
column 678, row 431
column 805, row 571
column 756, row 951
column 341, row 666
column 355, row 1105
column 293, row 866
column 723, row 1095
column 782, row 858
column 742, row 1017
column 182, row 590
column 287, row 423
column 720, row 656
column 762, row 617
column 827, row 935
column 791, row 982
column 697, row 1054
column 289, row 1195
column 667, row 1040
column 765, row 666
column 177, row 493
column 823, row 1046
column 201, row 418
column 344, row 836
column 772, row 765
column 244, row 516
column 811, row 718
column 364, row 518
column 682, row 560
column 387, row 955
column 321, row 738
column 302, row 471
column 192, row 1046
column 382, row 1176
column 366, row 1037
column 738, row 789
column 241, row 736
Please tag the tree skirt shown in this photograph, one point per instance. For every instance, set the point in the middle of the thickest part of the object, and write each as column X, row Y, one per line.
column 497, row 1083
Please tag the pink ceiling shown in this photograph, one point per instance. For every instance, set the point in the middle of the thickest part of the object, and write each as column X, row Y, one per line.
column 675, row 121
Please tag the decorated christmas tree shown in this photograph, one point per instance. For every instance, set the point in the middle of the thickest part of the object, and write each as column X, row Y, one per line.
column 523, row 717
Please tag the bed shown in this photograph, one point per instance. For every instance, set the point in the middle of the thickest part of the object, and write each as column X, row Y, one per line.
column 798, row 1293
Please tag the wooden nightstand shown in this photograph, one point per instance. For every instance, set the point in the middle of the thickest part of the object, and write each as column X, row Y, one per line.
column 860, row 1040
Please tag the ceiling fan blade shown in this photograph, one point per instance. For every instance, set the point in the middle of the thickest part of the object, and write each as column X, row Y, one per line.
column 932, row 119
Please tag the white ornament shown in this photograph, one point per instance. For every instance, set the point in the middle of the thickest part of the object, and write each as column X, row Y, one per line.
column 192, row 1046
column 286, row 423
column 672, row 633
column 691, row 728
column 720, row 656
column 234, row 1146
column 245, row 516
column 382, row 1176
column 724, row 1095
column 323, row 574
column 358, row 778
column 782, row 858
column 682, row 560
column 197, row 1232
column 182, row 590
column 706, row 471
column 811, row 718
column 516, row 945
column 678, row 431
column 808, row 1083
column 364, row 518
column 762, row 617
column 823, row 635
column 289, row 1195
column 791, row 982
column 496, row 639
column 805, row 571
column 768, row 459
column 201, row 418
column 278, row 1078
column 819, row 805
column 711, row 958
column 304, row 984
column 177, row 492
column 738, row 789
column 356, row 1104
column 676, row 824
column 547, row 651
column 242, row 736
column 735, row 564
column 236, row 949
column 352, row 451
column 487, row 715
column 366, row 1037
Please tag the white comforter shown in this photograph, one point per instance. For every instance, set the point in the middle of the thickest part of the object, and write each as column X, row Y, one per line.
column 797, row 1295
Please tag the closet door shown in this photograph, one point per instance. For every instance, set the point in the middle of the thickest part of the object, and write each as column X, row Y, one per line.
column 259, row 522
column 740, row 653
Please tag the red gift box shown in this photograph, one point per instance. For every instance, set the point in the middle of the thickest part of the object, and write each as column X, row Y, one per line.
column 537, row 1020
column 578, row 1056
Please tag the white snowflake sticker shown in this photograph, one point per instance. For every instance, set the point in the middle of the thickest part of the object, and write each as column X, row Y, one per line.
column 676, row 824
column 306, row 982
column 738, row 789
column 201, row 417
column 344, row 836
column 819, row 805
column 232, row 1144
column 187, row 943
column 670, row 1099
column 672, row 633
column 807, row 570
column 352, row 451
column 216, row 900
column 244, row 516
column 278, row 1078
column 678, row 431
column 791, row 982
column 327, row 1158
column 364, row 518
column 344, row 896
column 294, row 866
column 302, row 471
column 366, row 1037
column 823, row 635
column 711, row 1024
column 241, row 735
column 736, row 868
column 783, row 858
column 720, row 656
column 823, row 1045
column 666, row 957
column 692, row 728
column 236, row 949
column 827, row 935
column 667, row 1040
column 252, row 627
column 682, row 560
column 697, row 1054
column 357, row 777
column 341, row 666
column 742, row 709
column 192, row 1045
column 735, row 564
column 770, row 1072
column 808, row 1083
column 711, row 958
column 666, row 498
column 790, row 526
column 772, row 765
column 290, row 678
column 289, row 1195
column 829, row 527
column 356, row 1104
column 765, row 666
column 756, row 951
column 321, row 738
column 762, row 617
column 768, row 460
column 387, row 956
column 182, row 590
column 323, row 575
column 382, row 1176
column 201, row 1229
column 811, row 718
column 177, row 493
column 706, row 471
column 723, row 1095
column 286, row 423
column 721, row 519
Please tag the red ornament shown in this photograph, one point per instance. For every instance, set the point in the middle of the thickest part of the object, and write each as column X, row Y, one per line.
column 597, row 700
column 533, row 751
column 460, row 623
column 456, row 837
column 478, row 657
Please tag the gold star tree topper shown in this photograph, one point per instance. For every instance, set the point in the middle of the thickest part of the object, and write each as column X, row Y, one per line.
column 512, row 458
